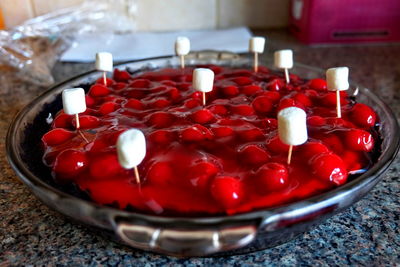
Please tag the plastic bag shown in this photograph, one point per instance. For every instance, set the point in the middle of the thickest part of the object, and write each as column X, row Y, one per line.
column 28, row 52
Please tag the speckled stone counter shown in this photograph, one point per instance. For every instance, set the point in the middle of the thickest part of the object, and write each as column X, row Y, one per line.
column 366, row 234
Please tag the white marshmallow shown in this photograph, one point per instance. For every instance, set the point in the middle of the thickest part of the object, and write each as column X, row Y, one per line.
column 182, row 46
column 104, row 61
column 74, row 101
column 283, row 59
column 256, row 44
column 337, row 79
column 203, row 80
column 131, row 148
column 292, row 126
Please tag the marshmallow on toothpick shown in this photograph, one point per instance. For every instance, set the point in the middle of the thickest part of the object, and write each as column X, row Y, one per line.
column 292, row 128
column 74, row 102
column 203, row 80
column 104, row 63
column 283, row 59
column 337, row 79
column 182, row 48
column 256, row 46
column 131, row 150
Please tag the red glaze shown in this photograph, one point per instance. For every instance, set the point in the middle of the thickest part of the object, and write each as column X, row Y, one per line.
column 222, row 158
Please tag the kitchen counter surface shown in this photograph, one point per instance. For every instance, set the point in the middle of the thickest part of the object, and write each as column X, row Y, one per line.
column 365, row 234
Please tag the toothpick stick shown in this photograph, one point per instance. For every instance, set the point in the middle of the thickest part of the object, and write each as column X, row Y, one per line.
column 78, row 125
column 289, row 158
column 338, row 107
column 104, row 78
column 255, row 62
column 137, row 176
column 204, row 98
column 287, row 77
column 182, row 59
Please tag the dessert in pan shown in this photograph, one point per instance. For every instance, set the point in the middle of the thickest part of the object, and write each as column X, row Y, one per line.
column 210, row 140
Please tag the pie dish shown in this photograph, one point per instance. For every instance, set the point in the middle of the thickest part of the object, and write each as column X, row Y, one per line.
column 178, row 235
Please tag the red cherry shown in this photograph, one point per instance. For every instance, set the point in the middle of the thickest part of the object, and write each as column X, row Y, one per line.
column 243, row 109
column 87, row 122
column 135, row 93
column 105, row 166
column 109, row 81
column 202, row 116
column 362, row 115
column 289, row 102
column 57, row 136
column 333, row 142
column 89, row 101
column 329, row 99
column 354, row 160
column 251, row 134
column 140, row 83
column 192, row 103
column 227, row 191
column 251, row 89
column 63, row 121
column 254, row 155
column 272, row 95
column 269, row 124
column 359, row 140
column 99, row 90
column 161, row 119
column 200, row 174
column 262, row 104
column 275, row 145
column 161, row 103
column 107, row 108
column 121, row 75
column 195, row 133
column 271, row 177
column 242, row 80
column 303, row 99
column 223, row 131
column 315, row 121
column 160, row 174
column 219, row 110
column 311, row 149
column 230, row 90
column 318, row 84
column 330, row 168
column 134, row 104
column 275, row 85
column 119, row 86
column 162, row 136
column 70, row 163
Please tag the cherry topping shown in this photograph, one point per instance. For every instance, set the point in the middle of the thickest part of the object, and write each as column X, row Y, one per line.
column 57, row 136
column 161, row 119
column 202, row 116
column 223, row 131
column 63, row 121
column 87, row 122
column 121, row 75
column 271, row 177
column 244, row 110
column 162, row 136
column 70, row 163
column 107, row 108
column 330, row 168
column 200, row 174
column 262, row 104
column 99, row 90
column 362, row 115
column 318, row 84
column 227, row 190
column 195, row 133
column 105, row 166
column 253, row 155
column 311, row 149
column 251, row 89
column 230, row 90
column 160, row 173
column 134, row 104
column 359, row 140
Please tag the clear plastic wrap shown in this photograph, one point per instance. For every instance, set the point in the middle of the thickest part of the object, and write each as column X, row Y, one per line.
column 29, row 51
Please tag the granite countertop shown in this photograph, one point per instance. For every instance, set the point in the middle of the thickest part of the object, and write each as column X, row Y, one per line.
column 365, row 234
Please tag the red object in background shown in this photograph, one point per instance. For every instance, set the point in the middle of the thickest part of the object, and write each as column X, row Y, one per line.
column 345, row 21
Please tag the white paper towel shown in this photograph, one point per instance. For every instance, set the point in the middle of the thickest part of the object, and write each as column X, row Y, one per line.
column 145, row 44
